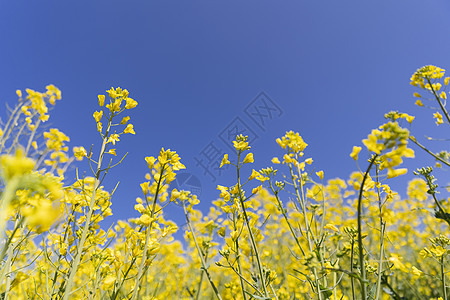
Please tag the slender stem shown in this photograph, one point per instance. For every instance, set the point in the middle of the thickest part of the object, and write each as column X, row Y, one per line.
column 202, row 259
column 360, row 243
column 77, row 259
column 428, row 151
column 250, row 233
column 352, row 280
column 283, row 211
column 238, row 259
column 444, row 288
column 147, row 236
column 309, row 234
column 382, row 229
column 439, row 100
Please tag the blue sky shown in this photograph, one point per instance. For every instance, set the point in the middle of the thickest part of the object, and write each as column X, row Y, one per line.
column 330, row 69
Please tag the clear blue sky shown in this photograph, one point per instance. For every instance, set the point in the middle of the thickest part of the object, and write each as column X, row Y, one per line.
column 332, row 68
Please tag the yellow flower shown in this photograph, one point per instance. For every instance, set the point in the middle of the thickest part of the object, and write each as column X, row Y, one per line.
column 438, row 251
column 416, row 272
column 145, row 187
column 331, row 226
column 309, row 161
column 292, row 141
column 355, row 152
column 438, row 118
column 145, row 220
column 19, row 93
column 396, row 260
column 108, row 281
column 16, row 165
column 98, row 116
column 418, row 103
column 125, row 120
column 130, row 103
column 99, row 127
column 241, row 144
column 443, row 95
column 225, row 161
column 129, row 129
column 221, row 231
column 79, row 152
column 254, row 175
column 112, row 151
column 426, row 73
column 150, row 161
column 275, row 160
column 248, row 158
column 396, row 172
column 320, row 174
column 257, row 189
column 101, row 100
column 113, row 138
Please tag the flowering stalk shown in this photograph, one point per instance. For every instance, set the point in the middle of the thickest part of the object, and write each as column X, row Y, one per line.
column 137, row 283
column 74, row 266
column 250, row 233
column 202, row 259
column 362, row 278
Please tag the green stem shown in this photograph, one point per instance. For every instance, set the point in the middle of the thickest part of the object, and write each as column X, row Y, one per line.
column 77, row 259
column 439, row 101
column 428, row 151
column 238, row 259
column 202, row 259
column 444, row 288
column 250, row 233
column 363, row 279
column 147, row 237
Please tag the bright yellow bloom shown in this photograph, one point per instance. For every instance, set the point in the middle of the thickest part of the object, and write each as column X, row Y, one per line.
column 150, row 161
column 254, row 175
column 130, row 103
column 248, row 158
column 292, row 141
column 257, row 189
column 129, row 129
column 125, row 120
column 320, row 174
column 79, row 152
column 418, row 103
column 355, row 152
column 113, row 138
column 416, row 272
column 438, row 118
column 101, row 100
column 98, row 115
column 17, row 165
column 225, row 161
column 426, row 73
column 396, row 172
column 331, row 226
column 275, row 160
column 438, row 251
